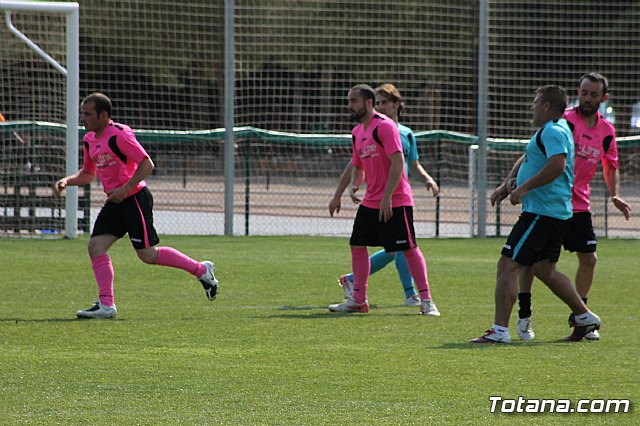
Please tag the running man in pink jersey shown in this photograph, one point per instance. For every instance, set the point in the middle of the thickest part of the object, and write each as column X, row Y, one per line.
column 595, row 142
column 385, row 215
column 112, row 152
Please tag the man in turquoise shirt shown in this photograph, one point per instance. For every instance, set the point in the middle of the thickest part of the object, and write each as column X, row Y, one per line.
column 543, row 186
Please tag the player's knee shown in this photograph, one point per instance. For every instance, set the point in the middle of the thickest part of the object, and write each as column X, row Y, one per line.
column 588, row 260
column 148, row 256
column 95, row 248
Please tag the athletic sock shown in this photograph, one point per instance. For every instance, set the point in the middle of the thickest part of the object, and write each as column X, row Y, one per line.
column 103, row 271
column 361, row 267
column 418, row 268
column 405, row 275
column 500, row 330
column 524, row 302
column 377, row 260
column 168, row 256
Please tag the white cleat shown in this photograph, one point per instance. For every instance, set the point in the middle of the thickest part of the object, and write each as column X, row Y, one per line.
column 209, row 281
column 427, row 307
column 413, row 300
column 98, row 311
column 347, row 286
column 592, row 335
column 350, row 306
column 525, row 332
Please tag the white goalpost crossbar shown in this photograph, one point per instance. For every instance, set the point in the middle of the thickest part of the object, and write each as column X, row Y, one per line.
column 72, row 73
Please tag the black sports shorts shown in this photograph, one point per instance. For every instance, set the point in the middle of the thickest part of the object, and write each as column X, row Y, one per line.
column 133, row 216
column 580, row 236
column 397, row 234
column 534, row 238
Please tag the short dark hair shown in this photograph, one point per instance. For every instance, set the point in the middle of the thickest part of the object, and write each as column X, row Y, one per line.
column 595, row 77
column 101, row 101
column 556, row 97
column 365, row 91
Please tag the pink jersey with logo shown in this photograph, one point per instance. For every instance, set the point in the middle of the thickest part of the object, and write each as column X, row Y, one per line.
column 593, row 145
column 371, row 150
column 114, row 156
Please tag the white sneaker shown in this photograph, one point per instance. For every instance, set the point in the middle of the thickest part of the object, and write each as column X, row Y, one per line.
column 490, row 336
column 350, row 305
column 592, row 335
column 584, row 326
column 413, row 300
column 347, row 286
column 525, row 332
column 209, row 281
column 427, row 307
column 98, row 311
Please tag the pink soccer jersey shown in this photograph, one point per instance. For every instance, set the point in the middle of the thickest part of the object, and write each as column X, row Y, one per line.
column 593, row 145
column 371, row 150
column 114, row 156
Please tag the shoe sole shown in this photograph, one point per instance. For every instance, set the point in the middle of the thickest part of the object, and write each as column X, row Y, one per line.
column 484, row 341
column 85, row 317
column 580, row 331
column 360, row 311
column 526, row 338
column 215, row 286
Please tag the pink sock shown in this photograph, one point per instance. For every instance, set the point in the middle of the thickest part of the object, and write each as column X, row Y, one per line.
column 103, row 270
column 360, row 265
column 418, row 269
column 168, row 256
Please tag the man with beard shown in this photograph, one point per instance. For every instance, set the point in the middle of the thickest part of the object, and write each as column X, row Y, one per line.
column 390, row 103
column 595, row 142
column 385, row 216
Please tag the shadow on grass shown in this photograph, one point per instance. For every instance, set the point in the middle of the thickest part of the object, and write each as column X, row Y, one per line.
column 518, row 344
column 327, row 314
column 44, row 320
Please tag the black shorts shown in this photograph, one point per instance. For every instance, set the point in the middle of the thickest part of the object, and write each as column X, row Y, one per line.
column 133, row 216
column 395, row 235
column 580, row 236
column 534, row 238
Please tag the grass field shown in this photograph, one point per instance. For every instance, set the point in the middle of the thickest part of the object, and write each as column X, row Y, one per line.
column 267, row 351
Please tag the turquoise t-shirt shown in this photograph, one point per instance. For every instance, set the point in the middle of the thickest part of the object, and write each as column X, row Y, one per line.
column 554, row 198
column 409, row 146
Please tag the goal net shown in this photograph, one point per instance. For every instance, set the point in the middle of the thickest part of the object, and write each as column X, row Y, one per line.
column 162, row 64
column 38, row 82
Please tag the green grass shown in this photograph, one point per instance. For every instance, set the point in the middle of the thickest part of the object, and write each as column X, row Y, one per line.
column 267, row 351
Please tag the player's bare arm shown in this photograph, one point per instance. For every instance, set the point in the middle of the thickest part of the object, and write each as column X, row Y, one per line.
column 357, row 177
column 345, row 178
column 554, row 168
column 119, row 194
column 395, row 173
column 416, row 169
column 612, row 179
column 505, row 188
column 79, row 178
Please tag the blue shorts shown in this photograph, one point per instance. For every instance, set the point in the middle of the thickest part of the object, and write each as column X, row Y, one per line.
column 133, row 216
column 535, row 238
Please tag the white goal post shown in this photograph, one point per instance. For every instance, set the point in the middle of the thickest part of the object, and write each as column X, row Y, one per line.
column 72, row 73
